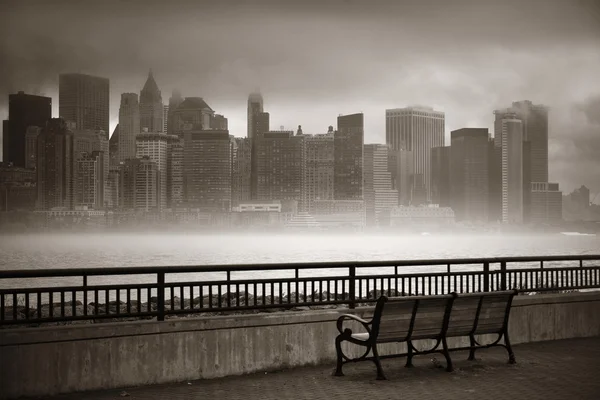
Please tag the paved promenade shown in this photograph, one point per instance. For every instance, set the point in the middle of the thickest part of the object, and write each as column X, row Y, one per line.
column 566, row 369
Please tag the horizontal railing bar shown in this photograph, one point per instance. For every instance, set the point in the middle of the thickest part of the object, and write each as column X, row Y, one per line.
column 138, row 270
column 79, row 288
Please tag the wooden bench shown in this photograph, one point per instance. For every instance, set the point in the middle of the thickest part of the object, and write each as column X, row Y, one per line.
column 406, row 319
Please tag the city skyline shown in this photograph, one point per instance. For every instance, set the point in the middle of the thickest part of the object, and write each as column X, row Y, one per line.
column 466, row 81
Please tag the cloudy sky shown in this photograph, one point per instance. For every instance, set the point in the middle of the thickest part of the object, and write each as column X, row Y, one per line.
column 314, row 60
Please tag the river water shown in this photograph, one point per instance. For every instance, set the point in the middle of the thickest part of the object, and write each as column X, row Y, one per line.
column 40, row 251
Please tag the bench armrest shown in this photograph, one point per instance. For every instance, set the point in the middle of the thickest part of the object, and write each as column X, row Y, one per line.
column 342, row 318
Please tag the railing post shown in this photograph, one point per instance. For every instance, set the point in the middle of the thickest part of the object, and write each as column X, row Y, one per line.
column 503, row 275
column 486, row 276
column 160, row 301
column 352, row 288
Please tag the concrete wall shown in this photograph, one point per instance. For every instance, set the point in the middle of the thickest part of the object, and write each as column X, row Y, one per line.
column 46, row 361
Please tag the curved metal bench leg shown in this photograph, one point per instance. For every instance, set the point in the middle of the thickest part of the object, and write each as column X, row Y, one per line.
column 409, row 357
column 380, row 374
column 446, row 353
column 338, row 349
column 511, row 355
column 472, row 349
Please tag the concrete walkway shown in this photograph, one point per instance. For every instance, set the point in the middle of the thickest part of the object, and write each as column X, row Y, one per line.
column 566, row 369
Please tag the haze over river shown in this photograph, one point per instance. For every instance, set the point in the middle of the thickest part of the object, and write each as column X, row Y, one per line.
column 41, row 251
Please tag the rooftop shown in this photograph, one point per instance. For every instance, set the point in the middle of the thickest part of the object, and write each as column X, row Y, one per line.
column 564, row 369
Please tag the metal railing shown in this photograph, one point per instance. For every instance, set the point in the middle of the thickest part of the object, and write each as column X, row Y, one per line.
column 63, row 295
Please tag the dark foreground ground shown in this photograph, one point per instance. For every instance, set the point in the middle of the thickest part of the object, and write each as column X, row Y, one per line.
column 566, row 369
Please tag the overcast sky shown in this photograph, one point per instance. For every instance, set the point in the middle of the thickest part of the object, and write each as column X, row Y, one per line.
column 313, row 60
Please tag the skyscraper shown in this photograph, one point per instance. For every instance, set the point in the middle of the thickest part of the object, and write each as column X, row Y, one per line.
column 87, row 141
column 416, row 129
column 165, row 118
column 24, row 110
column 139, row 182
column 175, row 190
column 255, row 107
column 129, row 125
column 279, row 165
column 113, row 145
column 207, row 170
column 509, row 138
column 535, row 131
column 89, row 180
column 55, row 166
column 469, row 174
column 440, row 176
column 401, row 166
column 348, row 158
column 84, row 100
column 319, row 158
column 379, row 194
column 151, row 106
column 241, row 171
column 31, row 135
column 155, row 145
column 192, row 114
column 174, row 101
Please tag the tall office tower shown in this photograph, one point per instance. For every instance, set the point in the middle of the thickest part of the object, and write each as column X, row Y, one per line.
column 84, row 100
column 379, row 195
column 535, row 131
column 24, row 110
column 218, row 122
column 151, row 106
column 319, row 158
column 260, row 124
column 174, row 172
column 526, row 181
column 89, row 180
column 55, row 165
column 88, row 141
column 192, row 114
column 348, row 158
column 31, row 135
column 494, row 182
column 440, row 176
column 279, row 165
column 255, row 107
column 241, row 171
column 469, row 174
column 174, row 101
column 509, row 138
column 165, row 118
column 113, row 147
column 155, row 145
column 546, row 203
column 207, row 170
column 113, row 187
column 129, row 125
column 416, row 129
column 139, row 185
column 401, row 165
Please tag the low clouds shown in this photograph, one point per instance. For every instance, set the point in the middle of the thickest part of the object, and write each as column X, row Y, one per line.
column 316, row 59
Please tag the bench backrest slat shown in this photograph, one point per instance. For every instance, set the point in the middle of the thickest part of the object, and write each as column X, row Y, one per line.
column 478, row 313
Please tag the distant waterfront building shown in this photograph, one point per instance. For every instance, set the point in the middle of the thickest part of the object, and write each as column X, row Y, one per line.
column 279, row 166
column 379, row 195
column 139, row 185
column 469, row 174
column 113, row 187
column 339, row 214
column 84, row 100
column 155, row 145
column 175, row 192
column 401, row 166
column 18, row 190
column 24, row 110
column 207, row 170
column 174, row 101
column 416, row 129
column 151, row 106
column 90, row 180
column 348, row 158
column 535, row 131
column 192, row 114
column 165, row 118
column 509, row 138
column 440, row 176
column 241, row 171
column 113, row 147
column 129, row 125
column 31, row 135
column 546, row 203
column 494, row 182
column 430, row 216
column 255, row 107
column 319, row 169
column 88, row 141
column 55, row 166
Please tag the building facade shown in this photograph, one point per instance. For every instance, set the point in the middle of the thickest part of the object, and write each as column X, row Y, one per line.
column 255, row 107
column 440, row 176
column 90, row 180
column 379, row 195
column 151, row 106
column 546, row 203
column 241, row 171
column 319, row 156
column 154, row 145
column 129, row 125
column 139, row 183
column 348, row 158
column 31, row 135
column 84, row 100
column 416, row 129
column 469, row 174
column 175, row 193
column 192, row 114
